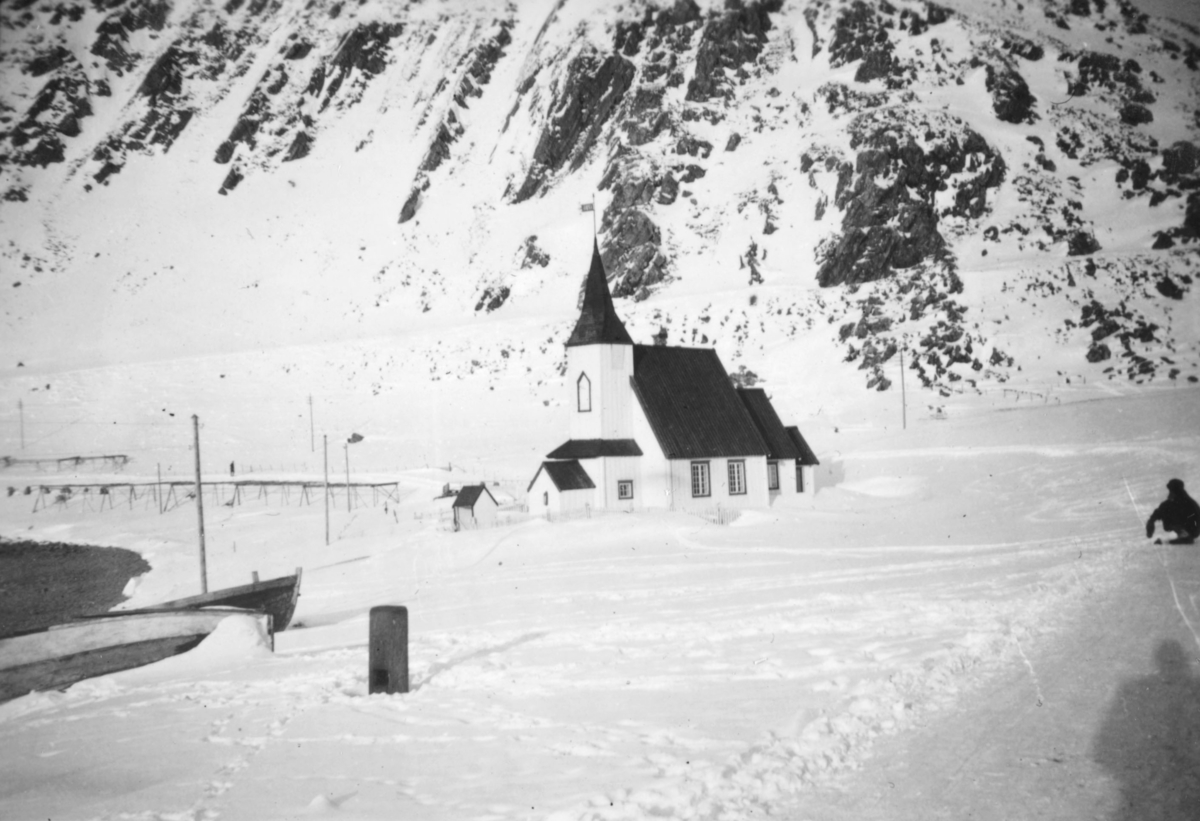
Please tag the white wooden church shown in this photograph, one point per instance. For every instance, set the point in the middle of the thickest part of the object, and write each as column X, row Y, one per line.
column 654, row 426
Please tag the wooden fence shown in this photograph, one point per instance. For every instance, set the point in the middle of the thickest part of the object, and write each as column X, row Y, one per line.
column 168, row 495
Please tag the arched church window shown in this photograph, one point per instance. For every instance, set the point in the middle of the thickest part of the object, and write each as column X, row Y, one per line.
column 583, row 389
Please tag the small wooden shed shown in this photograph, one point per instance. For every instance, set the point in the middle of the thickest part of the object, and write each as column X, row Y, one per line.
column 561, row 488
column 474, row 507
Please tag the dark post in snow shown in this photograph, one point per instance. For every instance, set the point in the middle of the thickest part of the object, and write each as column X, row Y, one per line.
column 200, row 504
column 387, row 664
column 346, row 447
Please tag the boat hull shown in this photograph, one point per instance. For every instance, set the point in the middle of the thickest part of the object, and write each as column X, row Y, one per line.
column 275, row 597
column 66, row 653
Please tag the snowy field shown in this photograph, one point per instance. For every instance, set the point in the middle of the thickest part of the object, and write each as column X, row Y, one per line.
column 623, row 666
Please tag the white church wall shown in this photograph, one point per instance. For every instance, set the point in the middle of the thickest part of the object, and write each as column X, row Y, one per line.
column 654, row 469
column 608, row 413
column 595, row 469
column 786, row 469
column 620, row 469
column 573, row 502
column 808, row 480
column 755, row 495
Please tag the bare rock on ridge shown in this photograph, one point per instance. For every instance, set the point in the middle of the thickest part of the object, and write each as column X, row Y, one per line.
column 585, row 101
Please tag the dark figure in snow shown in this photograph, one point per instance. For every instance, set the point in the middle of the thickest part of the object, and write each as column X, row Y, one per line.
column 1179, row 513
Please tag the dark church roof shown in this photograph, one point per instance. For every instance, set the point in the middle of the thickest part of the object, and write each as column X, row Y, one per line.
column 769, row 426
column 692, row 408
column 567, row 475
column 470, row 494
column 807, row 457
column 598, row 320
column 595, row 448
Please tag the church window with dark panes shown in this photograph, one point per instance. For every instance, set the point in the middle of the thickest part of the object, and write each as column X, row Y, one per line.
column 584, row 390
column 737, row 477
column 799, row 478
column 625, row 489
column 700, row 479
column 773, row 475
column 545, row 498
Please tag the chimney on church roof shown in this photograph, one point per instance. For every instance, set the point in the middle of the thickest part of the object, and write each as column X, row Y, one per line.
column 598, row 321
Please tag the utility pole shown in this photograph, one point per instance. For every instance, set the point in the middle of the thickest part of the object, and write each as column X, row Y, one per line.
column 312, row 431
column 903, row 395
column 200, row 504
column 346, row 448
column 325, row 440
column 21, row 410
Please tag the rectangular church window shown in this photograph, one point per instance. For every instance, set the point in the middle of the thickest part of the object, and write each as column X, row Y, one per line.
column 700, row 479
column 737, row 477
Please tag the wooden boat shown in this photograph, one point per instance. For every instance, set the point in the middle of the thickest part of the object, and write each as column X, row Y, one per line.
column 275, row 597
column 63, row 654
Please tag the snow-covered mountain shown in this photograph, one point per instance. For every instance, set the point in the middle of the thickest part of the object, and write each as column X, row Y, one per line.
column 1008, row 193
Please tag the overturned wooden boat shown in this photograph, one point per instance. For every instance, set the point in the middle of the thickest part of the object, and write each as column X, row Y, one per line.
column 62, row 654
column 275, row 597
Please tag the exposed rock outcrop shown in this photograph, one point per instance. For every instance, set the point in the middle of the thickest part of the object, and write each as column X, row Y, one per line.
column 1011, row 99
column 587, row 97
column 632, row 249
column 728, row 42
column 889, row 218
column 479, row 63
column 63, row 102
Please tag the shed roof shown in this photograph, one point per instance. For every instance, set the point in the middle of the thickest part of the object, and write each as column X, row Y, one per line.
column 769, row 426
column 593, row 448
column 807, row 457
column 470, row 494
column 598, row 322
column 692, row 408
column 566, row 475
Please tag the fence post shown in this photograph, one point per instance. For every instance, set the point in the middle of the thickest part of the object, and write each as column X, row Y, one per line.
column 388, row 654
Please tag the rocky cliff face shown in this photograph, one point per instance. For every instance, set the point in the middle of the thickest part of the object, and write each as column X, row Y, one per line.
column 879, row 150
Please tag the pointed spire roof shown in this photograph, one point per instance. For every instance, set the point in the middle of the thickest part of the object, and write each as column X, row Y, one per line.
column 598, row 321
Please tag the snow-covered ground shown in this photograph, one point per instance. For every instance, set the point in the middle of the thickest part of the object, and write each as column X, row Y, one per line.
column 616, row 667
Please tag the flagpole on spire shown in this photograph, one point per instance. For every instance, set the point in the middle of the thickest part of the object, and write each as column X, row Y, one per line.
column 590, row 206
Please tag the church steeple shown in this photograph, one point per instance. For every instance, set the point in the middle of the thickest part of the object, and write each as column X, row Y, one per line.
column 598, row 321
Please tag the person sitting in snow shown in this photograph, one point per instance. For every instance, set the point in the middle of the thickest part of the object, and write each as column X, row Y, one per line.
column 1179, row 513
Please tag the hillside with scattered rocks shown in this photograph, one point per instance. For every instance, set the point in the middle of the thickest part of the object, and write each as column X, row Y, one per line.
column 862, row 180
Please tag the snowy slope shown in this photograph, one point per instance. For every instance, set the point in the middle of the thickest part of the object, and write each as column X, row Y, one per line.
column 296, row 174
